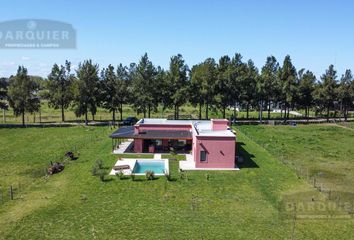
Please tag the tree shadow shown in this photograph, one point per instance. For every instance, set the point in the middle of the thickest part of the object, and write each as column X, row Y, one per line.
column 247, row 157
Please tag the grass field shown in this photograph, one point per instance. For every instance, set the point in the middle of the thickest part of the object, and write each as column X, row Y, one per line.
column 237, row 204
column 322, row 152
column 49, row 114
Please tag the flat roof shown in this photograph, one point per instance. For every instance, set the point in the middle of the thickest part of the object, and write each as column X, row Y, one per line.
column 128, row 132
column 202, row 127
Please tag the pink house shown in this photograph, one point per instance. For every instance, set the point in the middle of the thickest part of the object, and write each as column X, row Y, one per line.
column 210, row 144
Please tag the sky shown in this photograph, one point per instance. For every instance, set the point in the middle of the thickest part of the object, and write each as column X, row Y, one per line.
column 314, row 33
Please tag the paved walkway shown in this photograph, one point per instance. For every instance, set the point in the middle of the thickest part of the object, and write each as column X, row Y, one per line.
column 157, row 156
column 124, row 146
column 189, row 164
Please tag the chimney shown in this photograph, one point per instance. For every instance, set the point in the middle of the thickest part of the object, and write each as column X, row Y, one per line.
column 219, row 124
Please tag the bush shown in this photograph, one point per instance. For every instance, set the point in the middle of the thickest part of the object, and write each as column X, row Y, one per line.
column 99, row 164
column 94, row 170
column 149, row 175
column 168, row 176
column 101, row 173
column 120, row 175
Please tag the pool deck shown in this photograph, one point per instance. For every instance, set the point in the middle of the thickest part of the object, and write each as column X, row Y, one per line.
column 131, row 162
column 189, row 165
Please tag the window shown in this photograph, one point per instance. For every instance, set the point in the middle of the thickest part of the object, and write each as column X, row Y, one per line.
column 203, row 156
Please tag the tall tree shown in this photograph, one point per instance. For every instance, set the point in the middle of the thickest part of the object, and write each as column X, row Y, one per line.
column 327, row 90
column 22, row 94
column 223, row 94
column 122, row 90
column 178, row 82
column 248, row 86
column 86, row 89
column 345, row 92
column 144, row 88
column 60, row 87
column 288, row 77
column 3, row 96
column 306, row 90
column 3, row 93
column 269, row 78
column 204, row 75
column 113, row 89
column 195, row 91
column 237, row 72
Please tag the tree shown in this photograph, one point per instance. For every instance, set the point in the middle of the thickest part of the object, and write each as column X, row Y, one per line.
column 178, row 82
column 307, row 82
column 248, row 85
column 122, row 89
column 22, row 94
column 237, row 74
column 327, row 90
column 144, row 87
column 195, row 92
column 114, row 89
column 269, row 79
column 86, row 94
column 204, row 76
column 345, row 92
column 3, row 96
column 3, row 93
column 288, row 78
column 223, row 94
column 60, row 93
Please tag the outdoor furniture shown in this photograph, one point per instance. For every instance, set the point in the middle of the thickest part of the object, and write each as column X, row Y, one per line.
column 121, row 167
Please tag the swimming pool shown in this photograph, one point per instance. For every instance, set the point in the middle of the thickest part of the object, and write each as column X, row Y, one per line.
column 159, row 167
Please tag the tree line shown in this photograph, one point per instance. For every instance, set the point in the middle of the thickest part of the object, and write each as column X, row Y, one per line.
column 218, row 85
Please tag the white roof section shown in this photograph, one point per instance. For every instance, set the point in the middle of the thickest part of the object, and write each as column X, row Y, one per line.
column 202, row 127
column 164, row 121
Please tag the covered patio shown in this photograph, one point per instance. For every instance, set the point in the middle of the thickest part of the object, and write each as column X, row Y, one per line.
column 125, row 140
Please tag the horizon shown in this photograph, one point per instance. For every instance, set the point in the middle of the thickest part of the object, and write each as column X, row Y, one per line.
column 121, row 32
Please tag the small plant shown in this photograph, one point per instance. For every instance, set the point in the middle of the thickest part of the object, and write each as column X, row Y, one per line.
column 83, row 197
column 101, row 173
column 149, row 175
column 184, row 175
column 132, row 177
column 168, row 176
column 99, row 164
column 120, row 175
column 173, row 151
column 207, row 176
column 94, row 170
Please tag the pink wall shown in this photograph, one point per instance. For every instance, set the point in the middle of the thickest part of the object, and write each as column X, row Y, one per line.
column 219, row 124
column 138, row 145
column 220, row 152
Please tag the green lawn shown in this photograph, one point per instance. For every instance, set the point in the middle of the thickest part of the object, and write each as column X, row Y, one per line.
column 76, row 205
column 314, row 151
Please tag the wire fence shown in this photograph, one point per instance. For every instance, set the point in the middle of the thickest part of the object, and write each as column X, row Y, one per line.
column 313, row 178
column 16, row 190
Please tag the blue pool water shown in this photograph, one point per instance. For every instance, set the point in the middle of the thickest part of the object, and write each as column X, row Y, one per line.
column 141, row 166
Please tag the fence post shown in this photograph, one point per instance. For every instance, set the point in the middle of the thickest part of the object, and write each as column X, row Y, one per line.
column 11, row 193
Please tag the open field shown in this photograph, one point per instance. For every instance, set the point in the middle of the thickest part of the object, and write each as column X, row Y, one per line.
column 236, row 204
column 324, row 152
column 49, row 114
